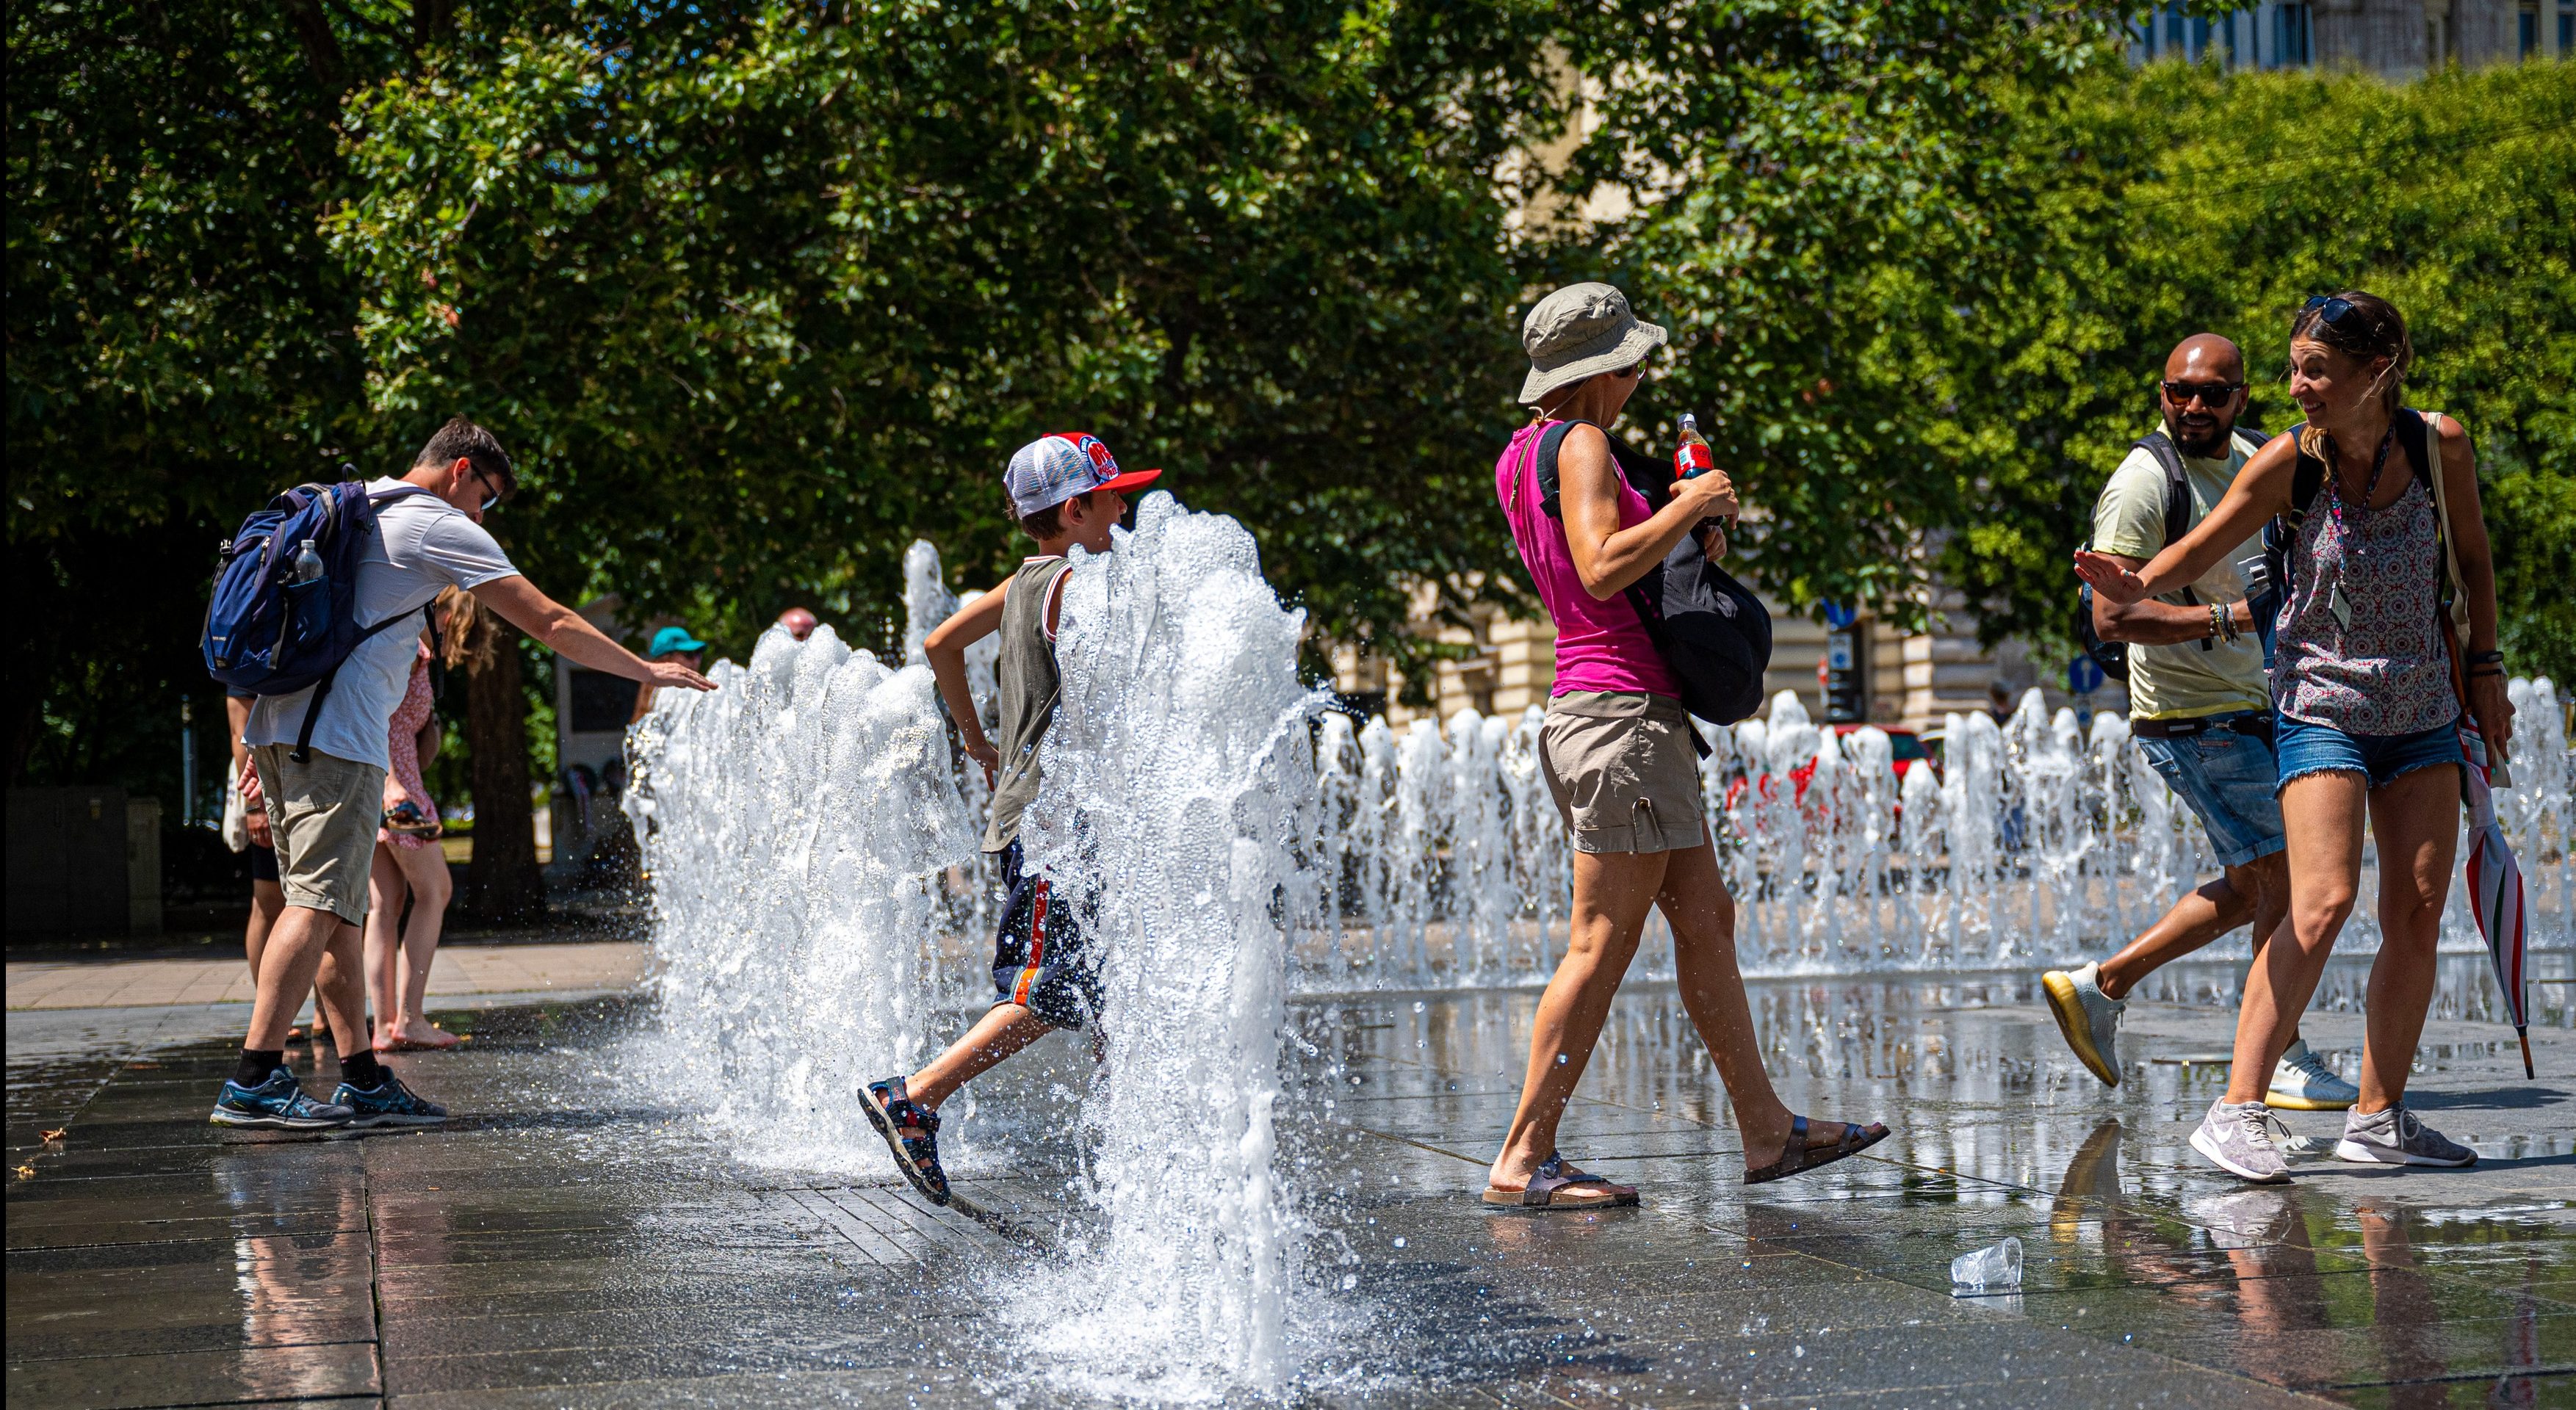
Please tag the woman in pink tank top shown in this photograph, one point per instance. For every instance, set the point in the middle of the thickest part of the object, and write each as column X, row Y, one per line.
column 1616, row 752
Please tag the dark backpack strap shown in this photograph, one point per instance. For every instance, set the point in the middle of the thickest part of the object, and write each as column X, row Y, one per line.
column 2177, row 496
column 322, row 688
column 1543, row 463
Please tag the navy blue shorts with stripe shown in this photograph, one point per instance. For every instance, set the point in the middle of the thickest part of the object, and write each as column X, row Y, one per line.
column 1041, row 953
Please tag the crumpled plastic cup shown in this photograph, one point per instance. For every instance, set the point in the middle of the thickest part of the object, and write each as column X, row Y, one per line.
column 1997, row 1268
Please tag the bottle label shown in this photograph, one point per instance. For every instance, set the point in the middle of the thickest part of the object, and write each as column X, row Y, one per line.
column 1691, row 459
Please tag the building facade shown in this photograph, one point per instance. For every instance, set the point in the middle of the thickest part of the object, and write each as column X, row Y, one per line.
column 2398, row 39
column 1886, row 676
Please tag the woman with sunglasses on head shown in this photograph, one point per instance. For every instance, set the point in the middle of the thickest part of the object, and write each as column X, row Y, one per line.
column 1617, row 756
column 2367, row 685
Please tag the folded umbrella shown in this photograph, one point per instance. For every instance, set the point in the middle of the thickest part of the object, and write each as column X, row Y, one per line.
column 2494, row 880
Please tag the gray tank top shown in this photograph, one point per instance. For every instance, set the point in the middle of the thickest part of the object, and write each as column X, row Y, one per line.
column 1027, row 686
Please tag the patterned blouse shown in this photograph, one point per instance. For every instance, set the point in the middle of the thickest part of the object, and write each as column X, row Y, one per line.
column 2378, row 665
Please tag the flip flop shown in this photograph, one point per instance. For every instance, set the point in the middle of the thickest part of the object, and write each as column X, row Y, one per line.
column 1797, row 1156
column 1551, row 1188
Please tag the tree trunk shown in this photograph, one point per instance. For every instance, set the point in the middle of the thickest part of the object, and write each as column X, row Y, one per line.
column 507, row 888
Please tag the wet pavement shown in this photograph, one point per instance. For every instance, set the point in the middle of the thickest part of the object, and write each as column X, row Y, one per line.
column 583, row 1233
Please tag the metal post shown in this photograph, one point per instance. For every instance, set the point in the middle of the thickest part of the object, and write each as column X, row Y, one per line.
column 187, row 763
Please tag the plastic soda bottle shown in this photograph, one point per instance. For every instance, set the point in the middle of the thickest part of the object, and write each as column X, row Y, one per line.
column 1692, row 456
column 308, row 564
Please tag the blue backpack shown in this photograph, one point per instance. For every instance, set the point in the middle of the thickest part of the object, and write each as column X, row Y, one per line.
column 268, row 634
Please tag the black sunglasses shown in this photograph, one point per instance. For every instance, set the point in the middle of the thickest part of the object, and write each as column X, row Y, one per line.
column 2332, row 310
column 491, row 496
column 2210, row 393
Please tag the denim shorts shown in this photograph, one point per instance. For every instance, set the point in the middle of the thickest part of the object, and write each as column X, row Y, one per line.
column 2229, row 780
column 2313, row 749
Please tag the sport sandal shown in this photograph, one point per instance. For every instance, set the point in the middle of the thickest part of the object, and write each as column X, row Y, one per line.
column 1797, row 1156
column 911, row 1131
column 1550, row 1187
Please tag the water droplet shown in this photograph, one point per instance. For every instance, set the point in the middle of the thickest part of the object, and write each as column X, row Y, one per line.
column 1797, row 1351
column 1350, row 1281
column 1399, row 1243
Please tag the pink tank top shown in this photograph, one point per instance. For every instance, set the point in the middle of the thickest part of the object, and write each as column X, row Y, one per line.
column 1599, row 645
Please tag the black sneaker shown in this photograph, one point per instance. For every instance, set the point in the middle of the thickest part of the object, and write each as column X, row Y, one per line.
column 911, row 1131
column 390, row 1104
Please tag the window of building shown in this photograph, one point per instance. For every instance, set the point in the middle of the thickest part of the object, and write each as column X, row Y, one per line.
column 2174, row 32
column 2566, row 30
column 2528, row 25
column 2290, row 36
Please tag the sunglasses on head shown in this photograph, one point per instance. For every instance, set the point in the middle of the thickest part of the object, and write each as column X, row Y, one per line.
column 2210, row 393
column 2331, row 310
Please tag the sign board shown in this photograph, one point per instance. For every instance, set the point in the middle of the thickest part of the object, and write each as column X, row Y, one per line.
column 2084, row 676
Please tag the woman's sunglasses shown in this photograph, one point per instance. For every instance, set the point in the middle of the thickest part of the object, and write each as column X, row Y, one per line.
column 2331, row 310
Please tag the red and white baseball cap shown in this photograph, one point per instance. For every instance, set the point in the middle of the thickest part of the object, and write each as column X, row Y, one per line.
column 1062, row 464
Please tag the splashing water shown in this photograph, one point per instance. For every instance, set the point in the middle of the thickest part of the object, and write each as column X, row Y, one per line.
column 1179, row 781
column 820, row 904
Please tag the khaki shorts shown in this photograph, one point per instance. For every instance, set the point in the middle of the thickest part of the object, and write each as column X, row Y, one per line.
column 1623, row 772
column 323, row 813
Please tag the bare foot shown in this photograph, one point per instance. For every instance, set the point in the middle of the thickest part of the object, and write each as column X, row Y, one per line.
column 415, row 1036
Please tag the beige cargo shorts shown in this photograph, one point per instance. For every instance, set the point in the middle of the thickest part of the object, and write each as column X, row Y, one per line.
column 323, row 813
column 1622, row 770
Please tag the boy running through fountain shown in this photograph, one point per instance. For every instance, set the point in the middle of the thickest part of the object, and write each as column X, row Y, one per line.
column 2200, row 710
column 1066, row 489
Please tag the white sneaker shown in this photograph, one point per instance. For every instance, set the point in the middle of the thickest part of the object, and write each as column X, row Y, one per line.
column 2301, row 1081
column 2395, row 1137
column 2237, row 1140
column 2089, row 1019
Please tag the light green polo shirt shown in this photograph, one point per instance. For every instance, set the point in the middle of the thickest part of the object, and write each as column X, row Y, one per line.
column 2182, row 681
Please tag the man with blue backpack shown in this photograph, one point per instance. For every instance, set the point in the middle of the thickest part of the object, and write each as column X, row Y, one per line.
column 317, row 611
column 2200, row 708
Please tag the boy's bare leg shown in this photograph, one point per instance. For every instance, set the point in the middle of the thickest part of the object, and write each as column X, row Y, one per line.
column 1003, row 1030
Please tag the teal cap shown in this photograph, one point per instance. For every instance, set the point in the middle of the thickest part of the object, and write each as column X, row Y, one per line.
column 671, row 639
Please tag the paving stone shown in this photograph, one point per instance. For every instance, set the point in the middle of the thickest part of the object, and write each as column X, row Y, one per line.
column 573, row 1242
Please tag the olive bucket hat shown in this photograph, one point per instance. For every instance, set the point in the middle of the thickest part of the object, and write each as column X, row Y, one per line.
column 1582, row 330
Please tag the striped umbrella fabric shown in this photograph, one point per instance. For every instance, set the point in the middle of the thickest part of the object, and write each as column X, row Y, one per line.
column 2494, row 879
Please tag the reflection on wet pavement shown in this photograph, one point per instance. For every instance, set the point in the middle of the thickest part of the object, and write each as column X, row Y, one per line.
column 576, row 1236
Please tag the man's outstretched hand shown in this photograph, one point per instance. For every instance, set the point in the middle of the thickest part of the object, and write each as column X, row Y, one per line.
column 2109, row 580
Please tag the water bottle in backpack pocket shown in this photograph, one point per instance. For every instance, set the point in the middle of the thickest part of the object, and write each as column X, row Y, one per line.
column 283, row 614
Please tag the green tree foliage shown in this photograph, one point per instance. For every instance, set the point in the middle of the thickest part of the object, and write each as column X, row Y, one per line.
column 762, row 293
column 178, row 340
column 2145, row 206
column 1815, row 180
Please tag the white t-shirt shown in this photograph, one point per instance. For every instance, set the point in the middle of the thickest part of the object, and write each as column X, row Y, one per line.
column 421, row 545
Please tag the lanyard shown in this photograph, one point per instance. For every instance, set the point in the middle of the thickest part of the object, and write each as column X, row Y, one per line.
column 2378, row 463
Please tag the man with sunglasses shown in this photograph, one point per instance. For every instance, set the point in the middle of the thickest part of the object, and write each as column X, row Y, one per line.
column 324, row 800
column 2200, row 708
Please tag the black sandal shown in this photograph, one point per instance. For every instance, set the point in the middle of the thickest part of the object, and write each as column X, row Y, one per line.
column 1797, row 1156
column 1551, row 1188
column 917, row 1155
